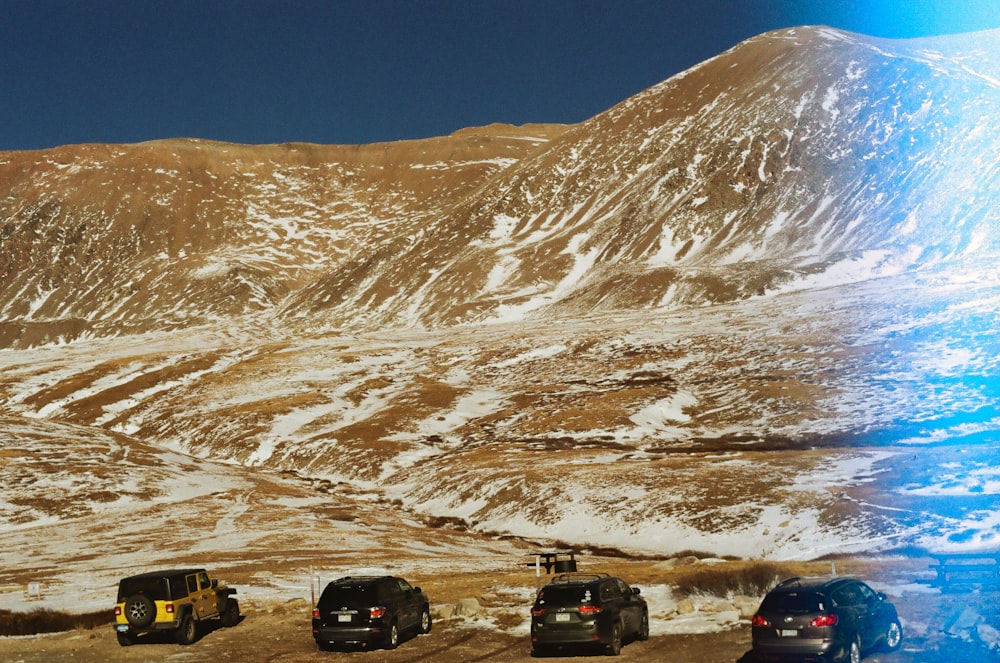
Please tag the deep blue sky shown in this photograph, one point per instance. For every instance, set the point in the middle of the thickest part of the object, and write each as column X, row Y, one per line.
column 262, row 71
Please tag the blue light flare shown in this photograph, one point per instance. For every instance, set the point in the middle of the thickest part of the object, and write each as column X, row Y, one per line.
column 937, row 370
column 896, row 19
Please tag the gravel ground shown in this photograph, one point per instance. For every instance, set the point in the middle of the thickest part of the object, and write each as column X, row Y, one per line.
column 285, row 637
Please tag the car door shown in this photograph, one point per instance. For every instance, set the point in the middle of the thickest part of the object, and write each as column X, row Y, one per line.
column 409, row 604
column 613, row 601
column 201, row 594
column 631, row 606
column 871, row 615
column 390, row 596
column 851, row 612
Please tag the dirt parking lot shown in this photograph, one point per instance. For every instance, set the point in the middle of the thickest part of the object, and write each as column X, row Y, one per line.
column 284, row 636
column 938, row 628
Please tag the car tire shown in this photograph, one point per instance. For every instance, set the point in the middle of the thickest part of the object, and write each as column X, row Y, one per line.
column 425, row 623
column 643, row 633
column 854, row 651
column 893, row 637
column 614, row 647
column 125, row 639
column 230, row 614
column 392, row 636
column 188, row 631
column 140, row 610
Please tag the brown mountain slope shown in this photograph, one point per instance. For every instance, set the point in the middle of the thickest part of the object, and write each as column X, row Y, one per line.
column 124, row 238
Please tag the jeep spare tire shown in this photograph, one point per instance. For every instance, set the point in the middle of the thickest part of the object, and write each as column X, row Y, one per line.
column 140, row 611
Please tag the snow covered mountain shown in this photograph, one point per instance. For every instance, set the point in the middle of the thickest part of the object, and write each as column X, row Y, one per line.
column 789, row 154
column 721, row 315
column 780, row 158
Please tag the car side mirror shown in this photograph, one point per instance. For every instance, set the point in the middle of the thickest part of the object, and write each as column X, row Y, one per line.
column 636, row 591
column 215, row 583
column 416, row 589
column 881, row 596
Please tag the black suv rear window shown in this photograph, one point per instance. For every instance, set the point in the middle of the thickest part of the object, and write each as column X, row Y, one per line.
column 793, row 603
column 571, row 595
column 352, row 595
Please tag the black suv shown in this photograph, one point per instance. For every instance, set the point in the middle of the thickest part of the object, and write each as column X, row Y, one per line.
column 369, row 610
column 824, row 619
column 587, row 609
column 173, row 601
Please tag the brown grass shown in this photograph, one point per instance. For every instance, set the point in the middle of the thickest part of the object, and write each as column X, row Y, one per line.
column 750, row 580
column 49, row 621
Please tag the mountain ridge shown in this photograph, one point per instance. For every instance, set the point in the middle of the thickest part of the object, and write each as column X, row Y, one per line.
column 737, row 177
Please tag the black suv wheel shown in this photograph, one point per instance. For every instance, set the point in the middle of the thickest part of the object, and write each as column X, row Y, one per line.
column 893, row 637
column 644, row 629
column 425, row 621
column 392, row 637
column 615, row 646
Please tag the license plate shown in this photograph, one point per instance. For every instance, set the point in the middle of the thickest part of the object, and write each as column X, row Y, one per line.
column 788, row 633
column 562, row 617
column 122, row 628
column 343, row 618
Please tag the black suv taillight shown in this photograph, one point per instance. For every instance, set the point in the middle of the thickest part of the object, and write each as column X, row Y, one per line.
column 824, row 620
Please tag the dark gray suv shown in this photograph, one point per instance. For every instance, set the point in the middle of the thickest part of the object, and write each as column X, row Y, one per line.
column 577, row 609
column 824, row 619
column 369, row 610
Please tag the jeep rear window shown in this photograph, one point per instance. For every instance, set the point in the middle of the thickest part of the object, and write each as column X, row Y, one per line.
column 348, row 595
column 565, row 595
column 792, row 603
column 154, row 588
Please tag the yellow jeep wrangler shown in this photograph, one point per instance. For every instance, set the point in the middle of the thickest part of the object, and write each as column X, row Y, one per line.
column 175, row 600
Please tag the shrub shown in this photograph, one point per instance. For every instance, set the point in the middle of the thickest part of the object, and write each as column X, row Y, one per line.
column 49, row 621
column 728, row 580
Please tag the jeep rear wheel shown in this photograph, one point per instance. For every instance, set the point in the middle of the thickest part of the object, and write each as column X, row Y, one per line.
column 188, row 631
column 140, row 611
